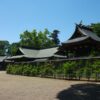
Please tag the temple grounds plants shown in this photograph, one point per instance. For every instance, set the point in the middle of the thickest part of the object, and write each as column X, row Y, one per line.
column 78, row 70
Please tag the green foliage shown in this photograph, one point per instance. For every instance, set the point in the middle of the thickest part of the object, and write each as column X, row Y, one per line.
column 33, row 72
column 96, row 28
column 4, row 47
column 87, row 72
column 59, row 70
column 16, row 69
column 26, row 70
column 79, row 73
column 96, row 69
column 8, row 70
column 13, row 48
column 68, row 70
column 55, row 38
column 34, row 39
column 38, row 40
column 46, row 70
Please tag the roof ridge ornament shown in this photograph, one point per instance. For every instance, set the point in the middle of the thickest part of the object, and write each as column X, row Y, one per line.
column 81, row 23
column 86, row 27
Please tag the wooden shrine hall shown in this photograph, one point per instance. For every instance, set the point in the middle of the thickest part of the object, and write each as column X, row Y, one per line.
column 83, row 43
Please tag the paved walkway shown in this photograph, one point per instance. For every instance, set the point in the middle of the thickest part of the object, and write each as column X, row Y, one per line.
column 13, row 87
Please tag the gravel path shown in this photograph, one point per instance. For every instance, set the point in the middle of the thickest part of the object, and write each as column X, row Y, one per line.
column 14, row 87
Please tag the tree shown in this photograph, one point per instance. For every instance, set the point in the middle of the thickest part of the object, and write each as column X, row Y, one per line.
column 69, row 69
column 25, row 38
column 55, row 38
column 38, row 40
column 96, row 28
column 13, row 48
column 79, row 73
column 4, row 47
column 96, row 69
column 88, row 70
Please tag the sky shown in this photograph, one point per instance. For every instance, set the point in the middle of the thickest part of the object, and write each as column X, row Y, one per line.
column 16, row 16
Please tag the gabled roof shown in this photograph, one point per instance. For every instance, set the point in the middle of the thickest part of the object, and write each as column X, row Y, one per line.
column 89, row 34
column 84, row 32
column 39, row 53
column 43, row 53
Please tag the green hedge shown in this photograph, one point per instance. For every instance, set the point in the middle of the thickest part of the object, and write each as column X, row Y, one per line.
column 68, row 70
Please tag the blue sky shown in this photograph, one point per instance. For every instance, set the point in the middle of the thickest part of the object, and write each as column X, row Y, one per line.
column 16, row 16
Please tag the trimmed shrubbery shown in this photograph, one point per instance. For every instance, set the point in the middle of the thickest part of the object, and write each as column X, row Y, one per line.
column 68, row 70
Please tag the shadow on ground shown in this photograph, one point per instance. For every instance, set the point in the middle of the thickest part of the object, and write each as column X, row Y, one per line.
column 81, row 92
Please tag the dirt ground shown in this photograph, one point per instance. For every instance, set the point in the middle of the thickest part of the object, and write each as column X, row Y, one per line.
column 13, row 87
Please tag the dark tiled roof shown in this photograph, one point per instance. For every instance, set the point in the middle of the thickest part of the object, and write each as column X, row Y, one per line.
column 89, row 34
column 86, row 34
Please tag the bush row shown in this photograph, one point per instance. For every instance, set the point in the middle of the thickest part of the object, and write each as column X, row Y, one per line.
column 67, row 70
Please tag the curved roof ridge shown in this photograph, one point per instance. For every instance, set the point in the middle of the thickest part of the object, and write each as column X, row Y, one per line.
column 89, row 34
column 39, row 53
column 76, row 39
